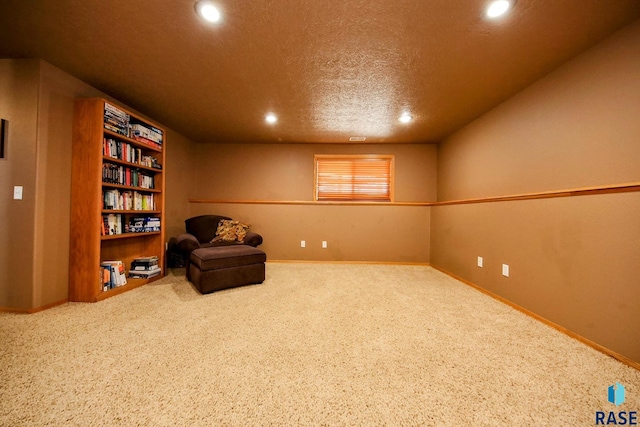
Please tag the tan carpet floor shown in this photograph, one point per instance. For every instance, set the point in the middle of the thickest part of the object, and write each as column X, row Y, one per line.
column 314, row 345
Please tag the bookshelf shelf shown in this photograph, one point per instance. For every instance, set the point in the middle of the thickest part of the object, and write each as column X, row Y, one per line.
column 129, row 164
column 132, row 284
column 130, row 211
column 130, row 235
column 98, row 151
column 128, row 187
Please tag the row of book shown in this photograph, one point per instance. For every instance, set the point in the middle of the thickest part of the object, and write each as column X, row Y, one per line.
column 113, row 275
column 116, row 120
column 114, row 224
column 123, row 175
column 128, row 153
column 127, row 200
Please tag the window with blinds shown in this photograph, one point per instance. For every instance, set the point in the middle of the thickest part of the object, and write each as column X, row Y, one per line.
column 354, row 178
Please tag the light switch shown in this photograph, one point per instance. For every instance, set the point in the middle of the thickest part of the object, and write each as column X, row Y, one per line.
column 17, row 192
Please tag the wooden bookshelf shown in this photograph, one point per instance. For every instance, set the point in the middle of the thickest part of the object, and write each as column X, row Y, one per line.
column 89, row 246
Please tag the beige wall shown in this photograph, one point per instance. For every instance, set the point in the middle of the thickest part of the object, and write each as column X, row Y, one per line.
column 578, row 127
column 573, row 260
column 284, row 172
column 38, row 99
column 56, row 93
column 179, row 182
column 18, row 105
column 37, row 246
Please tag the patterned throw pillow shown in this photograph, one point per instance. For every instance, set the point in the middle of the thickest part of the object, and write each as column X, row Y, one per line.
column 230, row 231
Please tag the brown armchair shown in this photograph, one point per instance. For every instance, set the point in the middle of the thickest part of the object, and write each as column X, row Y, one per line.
column 200, row 232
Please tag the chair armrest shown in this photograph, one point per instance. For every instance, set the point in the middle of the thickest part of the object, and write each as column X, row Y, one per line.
column 187, row 243
column 253, row 239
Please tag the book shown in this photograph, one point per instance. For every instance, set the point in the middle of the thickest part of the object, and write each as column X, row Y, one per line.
column 109, row 277
column 105, row 278
column 118, row 275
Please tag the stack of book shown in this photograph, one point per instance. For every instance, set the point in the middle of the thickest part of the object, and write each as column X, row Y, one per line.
column 112, row 275
column 145, row 267
column 144, row 224
column 147, row 134
column 116, row 120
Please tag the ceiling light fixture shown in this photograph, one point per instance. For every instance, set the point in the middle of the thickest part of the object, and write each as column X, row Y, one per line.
column 271, row 118
column 498, row 8
column 207, row 11
column 405, row 118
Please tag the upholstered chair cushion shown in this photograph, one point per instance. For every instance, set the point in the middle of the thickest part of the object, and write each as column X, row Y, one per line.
column 204, row 227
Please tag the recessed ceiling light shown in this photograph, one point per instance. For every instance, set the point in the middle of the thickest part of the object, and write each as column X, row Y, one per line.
column 271, row 118
column 357, row 138
column 498, row 8
column 405, row 118
column 207, row 11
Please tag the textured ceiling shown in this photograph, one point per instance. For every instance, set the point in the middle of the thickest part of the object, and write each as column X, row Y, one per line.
column 330, row 69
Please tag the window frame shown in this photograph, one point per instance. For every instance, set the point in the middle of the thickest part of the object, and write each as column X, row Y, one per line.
column 355, row 157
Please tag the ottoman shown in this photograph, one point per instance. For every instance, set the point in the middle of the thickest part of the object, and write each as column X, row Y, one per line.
column 222, row 267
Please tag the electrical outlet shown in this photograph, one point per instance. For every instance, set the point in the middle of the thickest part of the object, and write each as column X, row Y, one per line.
column 303, row 244
column 324, row 244
column 505, row 270
column 480, row 262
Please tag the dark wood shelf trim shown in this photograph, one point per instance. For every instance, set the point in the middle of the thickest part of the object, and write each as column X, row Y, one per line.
column 308, row 202
column 127, row 187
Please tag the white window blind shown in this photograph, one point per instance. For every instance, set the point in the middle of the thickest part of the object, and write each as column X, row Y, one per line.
column 354, row 178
